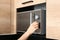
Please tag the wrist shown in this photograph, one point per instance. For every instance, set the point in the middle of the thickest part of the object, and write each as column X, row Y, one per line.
column 29, row 33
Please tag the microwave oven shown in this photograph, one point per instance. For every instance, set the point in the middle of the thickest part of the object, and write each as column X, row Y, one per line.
column 24, row 19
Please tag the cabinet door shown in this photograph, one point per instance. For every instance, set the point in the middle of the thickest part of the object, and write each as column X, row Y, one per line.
column 7, row 17
column 53, row 19
column 24, row 3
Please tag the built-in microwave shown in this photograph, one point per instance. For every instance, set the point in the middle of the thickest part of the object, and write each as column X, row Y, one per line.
column 24, row 19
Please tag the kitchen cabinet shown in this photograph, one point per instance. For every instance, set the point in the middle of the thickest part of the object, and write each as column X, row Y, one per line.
column 53, row 19
column 7, row 17
column 24, row 3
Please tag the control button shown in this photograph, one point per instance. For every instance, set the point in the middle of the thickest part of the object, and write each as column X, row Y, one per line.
column 36, row 17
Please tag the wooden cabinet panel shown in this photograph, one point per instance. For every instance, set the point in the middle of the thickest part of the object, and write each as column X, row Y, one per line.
column 19, row 3
column 13, row 16
column 53, row 19
column 7, row 17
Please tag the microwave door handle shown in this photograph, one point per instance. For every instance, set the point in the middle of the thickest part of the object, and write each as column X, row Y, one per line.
column 30, row 17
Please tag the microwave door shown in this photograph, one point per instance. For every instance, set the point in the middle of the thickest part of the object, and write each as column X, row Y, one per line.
column 23, row 21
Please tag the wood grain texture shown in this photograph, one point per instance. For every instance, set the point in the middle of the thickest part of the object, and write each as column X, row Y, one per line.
column 6, row 15
column 53, row 19
column 13, row 16
column 19, row 3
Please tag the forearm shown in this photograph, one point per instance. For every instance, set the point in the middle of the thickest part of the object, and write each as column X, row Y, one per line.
column 25, row 36
column 30, row 30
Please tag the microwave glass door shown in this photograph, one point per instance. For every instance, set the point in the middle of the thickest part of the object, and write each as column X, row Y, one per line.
column 23, row 21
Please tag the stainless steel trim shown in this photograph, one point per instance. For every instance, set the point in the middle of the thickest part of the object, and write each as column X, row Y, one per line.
column 30, row 17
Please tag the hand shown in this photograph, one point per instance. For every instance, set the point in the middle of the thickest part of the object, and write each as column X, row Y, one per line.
column 33, row 27
column 30, row 30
